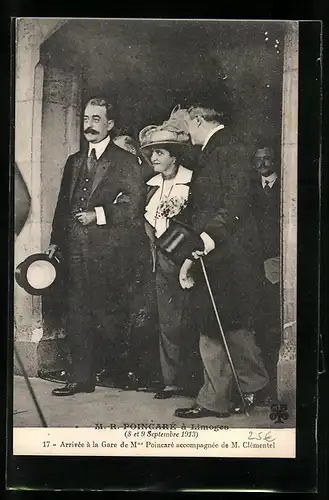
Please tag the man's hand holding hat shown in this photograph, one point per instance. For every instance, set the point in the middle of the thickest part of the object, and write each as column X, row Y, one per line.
column 51, row 250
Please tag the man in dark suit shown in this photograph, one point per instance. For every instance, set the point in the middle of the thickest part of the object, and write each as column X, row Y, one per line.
column 98, row 229
column 266, row 191
column 221, row 215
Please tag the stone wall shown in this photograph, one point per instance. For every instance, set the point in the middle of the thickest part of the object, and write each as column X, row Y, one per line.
column 28, row 114
column 60, row 138
column 287, row 360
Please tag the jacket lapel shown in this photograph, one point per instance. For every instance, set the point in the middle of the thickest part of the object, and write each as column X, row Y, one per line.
column 103, row 164
column 77, row 164
column 219, row 138
column 151, row 190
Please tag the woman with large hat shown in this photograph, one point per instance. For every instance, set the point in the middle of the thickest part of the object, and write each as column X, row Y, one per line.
column 167, row 199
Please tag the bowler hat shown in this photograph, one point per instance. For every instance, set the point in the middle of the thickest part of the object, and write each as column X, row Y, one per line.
column 37, row 273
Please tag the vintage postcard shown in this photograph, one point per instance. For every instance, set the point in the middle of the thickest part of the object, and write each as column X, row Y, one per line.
column 155, row 237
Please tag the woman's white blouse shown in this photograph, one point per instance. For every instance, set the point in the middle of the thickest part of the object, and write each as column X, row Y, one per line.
column 175, row 188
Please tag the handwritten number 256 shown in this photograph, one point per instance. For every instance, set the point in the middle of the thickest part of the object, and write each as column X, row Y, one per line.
column 260, row 435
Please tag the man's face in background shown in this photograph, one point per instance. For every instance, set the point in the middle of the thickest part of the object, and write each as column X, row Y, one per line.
column 195, row 130
column 264, row 161
column 96, row 124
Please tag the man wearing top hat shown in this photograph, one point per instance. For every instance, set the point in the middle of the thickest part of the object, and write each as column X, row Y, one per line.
column 221, row 213
column 98, row 229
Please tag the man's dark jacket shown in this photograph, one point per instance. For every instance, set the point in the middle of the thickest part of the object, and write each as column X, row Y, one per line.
column 117, row 249
column 266, row 210
column 222, row 208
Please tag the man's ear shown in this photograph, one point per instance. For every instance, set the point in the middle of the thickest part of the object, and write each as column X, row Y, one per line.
column 110, row 124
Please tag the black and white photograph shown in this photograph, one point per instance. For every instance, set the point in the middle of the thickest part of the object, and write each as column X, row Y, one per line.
column 155, row 246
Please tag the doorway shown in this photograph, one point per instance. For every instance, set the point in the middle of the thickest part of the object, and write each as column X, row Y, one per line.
column 145, row 68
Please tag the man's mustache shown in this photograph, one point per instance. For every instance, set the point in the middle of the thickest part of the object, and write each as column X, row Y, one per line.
column 90, row 130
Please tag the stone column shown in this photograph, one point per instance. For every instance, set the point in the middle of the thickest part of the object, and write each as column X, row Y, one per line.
column 60, row 137
column 27, row 314
column 287, row 358
column 28, row 105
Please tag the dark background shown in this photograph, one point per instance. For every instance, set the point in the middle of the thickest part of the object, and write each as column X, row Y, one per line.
column 145, row 68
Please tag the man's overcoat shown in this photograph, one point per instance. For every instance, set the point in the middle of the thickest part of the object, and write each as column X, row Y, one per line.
column 110, row 256
column 221, row 208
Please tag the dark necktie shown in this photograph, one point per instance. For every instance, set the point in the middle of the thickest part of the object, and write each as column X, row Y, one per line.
column 92, row 159
column 267, row 187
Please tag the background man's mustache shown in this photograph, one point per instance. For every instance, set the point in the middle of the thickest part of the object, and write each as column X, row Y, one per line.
column 90, row 130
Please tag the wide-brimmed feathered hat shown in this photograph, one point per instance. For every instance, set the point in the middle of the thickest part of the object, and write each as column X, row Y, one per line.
column 172, row 131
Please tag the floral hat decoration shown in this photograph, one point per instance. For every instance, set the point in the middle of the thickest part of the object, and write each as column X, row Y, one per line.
column 172, row 131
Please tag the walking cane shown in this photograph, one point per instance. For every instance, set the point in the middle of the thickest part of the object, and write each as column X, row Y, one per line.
column 205, row 274
column 171, row 240
column 30, row 388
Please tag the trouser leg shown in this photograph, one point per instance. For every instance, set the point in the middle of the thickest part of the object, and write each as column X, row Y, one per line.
column 79, row 326
column 110, row 317
column 171, row 301
column 215, row 392
column 245, row 354
column 247, row 360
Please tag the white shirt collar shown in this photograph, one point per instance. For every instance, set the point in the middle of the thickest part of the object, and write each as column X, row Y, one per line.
column 270, row 179
column 177, row 187
column 183, row 176
column 99, row 147
column 213, row 131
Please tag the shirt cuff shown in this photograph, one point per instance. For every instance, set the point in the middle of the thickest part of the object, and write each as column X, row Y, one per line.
column 209, row 243
column 100, row 216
